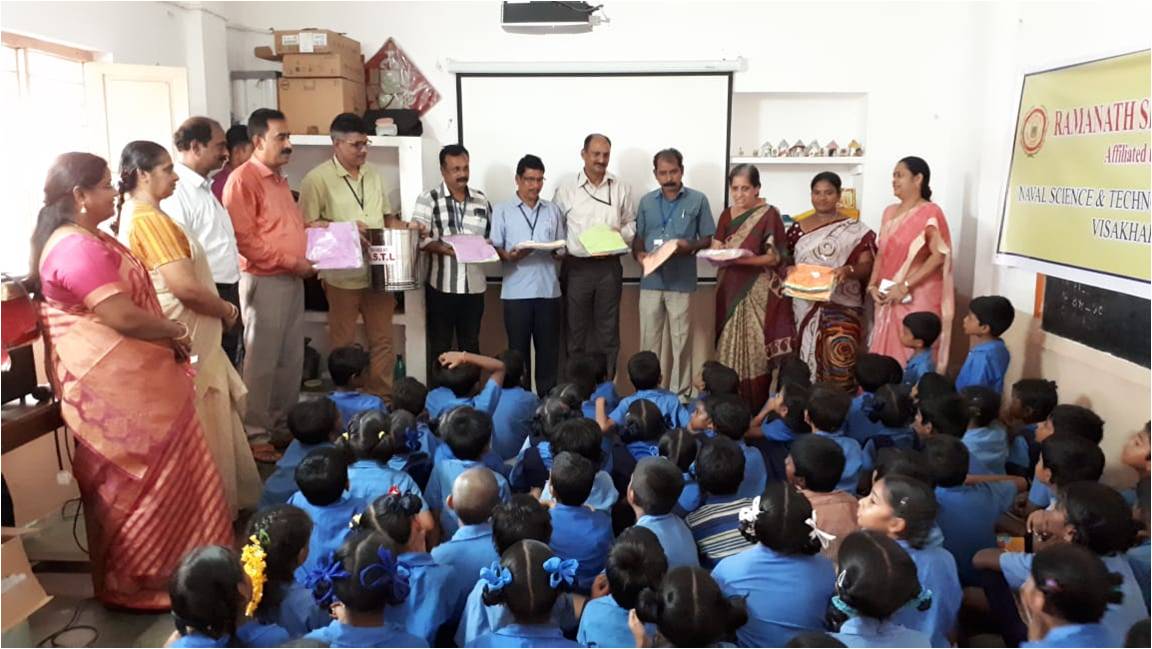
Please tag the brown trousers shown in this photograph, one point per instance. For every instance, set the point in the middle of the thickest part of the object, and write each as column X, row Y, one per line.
column 344, row 307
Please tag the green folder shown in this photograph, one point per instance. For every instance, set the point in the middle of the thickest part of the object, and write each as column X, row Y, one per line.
column 603, row 240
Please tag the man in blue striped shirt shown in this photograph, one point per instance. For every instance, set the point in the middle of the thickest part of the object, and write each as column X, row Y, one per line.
column 715, row 525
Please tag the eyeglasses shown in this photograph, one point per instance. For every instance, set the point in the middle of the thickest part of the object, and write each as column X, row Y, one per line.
column 359, row 146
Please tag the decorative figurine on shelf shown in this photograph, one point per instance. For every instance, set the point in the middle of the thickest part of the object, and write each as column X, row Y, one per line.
column 847, row 199
column 813, row 150
column 855, row 148
column 797, row 150
column 831, row 149
column 782, row 148
column 740, row 152
column 767, row 150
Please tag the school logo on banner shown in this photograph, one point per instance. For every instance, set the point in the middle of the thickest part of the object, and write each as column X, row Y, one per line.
column 1033, row 131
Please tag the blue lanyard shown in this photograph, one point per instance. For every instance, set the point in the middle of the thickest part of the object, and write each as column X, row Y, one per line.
column 535, row 219
column 666, row 215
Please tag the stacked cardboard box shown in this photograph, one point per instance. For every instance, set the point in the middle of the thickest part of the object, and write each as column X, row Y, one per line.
column 323, row 77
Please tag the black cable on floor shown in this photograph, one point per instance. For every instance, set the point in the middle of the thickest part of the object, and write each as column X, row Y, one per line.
column 50, row 640
column 75, row 520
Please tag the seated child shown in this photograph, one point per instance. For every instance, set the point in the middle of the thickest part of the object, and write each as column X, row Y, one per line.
column 728, row 416
column 591, row 369
column 475, row 495
column 780, row 422
column 714, row 379
column 872, row 372
column 210, row 596
column 653, row 493
column 688, row 609
column 919, row 332
column 636, row 562
column 467, row 433
column 348, row 367
column 967, row 513
column 785, row 559
column 459, row 374
column 988, row 317
column 527, row 582
column 947, row 415
column 1032, row 402
column 904, row 509
column 409, row 395
column 1066, row 594
column 535, row 461
column 313, row 423
column 639, row 438
column 1064, row 418
column 281, row 532
column 322, row 479
column 434, row 589
column 876, row 580
column 360, row 582
column 578, row 532
column 827, row 409
column 814, row 467
column 582, row 437
column 679, row 446
column 512, row 420
column 644, row 373
column 932, row 385
column 1140, row 556
column 369, row 444
column 985, row 438
column 893, row 411
column 715, row 524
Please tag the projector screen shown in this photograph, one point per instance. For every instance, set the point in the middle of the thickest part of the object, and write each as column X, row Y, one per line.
column 502, row 117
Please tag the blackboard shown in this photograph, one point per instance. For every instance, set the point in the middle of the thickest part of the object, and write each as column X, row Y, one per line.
column 1112, row 322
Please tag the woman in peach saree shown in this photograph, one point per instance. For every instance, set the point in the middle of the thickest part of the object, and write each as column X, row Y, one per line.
column 120, row 368
column 915, row 254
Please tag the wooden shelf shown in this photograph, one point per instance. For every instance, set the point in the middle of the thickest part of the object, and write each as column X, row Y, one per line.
column 834, row 161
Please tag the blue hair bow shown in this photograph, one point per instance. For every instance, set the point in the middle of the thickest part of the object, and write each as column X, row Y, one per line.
column 496, row 576
column 641, row 450
column 412, row 439
column 320, row 580
column 561, row 570
column 387, row 572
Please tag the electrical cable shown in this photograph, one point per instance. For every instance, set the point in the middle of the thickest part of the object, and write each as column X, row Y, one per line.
column 75, row 521
column 585, row 9
column 69, row 627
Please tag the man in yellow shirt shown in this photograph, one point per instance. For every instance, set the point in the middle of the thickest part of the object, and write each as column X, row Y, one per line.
column 346, row 189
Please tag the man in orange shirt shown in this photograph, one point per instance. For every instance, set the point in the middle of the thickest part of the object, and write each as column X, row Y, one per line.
column 271, row 240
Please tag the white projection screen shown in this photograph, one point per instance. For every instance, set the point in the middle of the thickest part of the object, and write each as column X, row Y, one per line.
column 502, row 117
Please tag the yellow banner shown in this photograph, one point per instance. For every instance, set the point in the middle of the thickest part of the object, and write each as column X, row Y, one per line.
column 1079, row 199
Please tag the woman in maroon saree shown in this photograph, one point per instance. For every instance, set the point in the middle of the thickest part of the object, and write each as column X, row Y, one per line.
column 754, row 326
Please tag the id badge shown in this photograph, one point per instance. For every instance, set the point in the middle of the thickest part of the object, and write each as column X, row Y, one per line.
column 656, row 243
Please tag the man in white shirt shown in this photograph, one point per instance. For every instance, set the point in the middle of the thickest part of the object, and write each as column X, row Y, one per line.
column 201, row 149
column 594, row 284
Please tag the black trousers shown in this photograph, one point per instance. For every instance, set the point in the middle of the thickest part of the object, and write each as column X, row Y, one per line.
column 453, row 323
column 535, row 323
column 593, row 287
column 233, row 340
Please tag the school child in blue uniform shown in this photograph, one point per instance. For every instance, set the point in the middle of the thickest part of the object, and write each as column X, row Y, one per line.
column 715, row 524
column 729, row 416
column 785, row 559
column 535, row 460
column 892, row 409
column 282, row 533
column 467, row 433
column 636, row 562
column 512, row 419
column 409, row 395
column 204, row 576
column 680, row 447
column 1067, row 593
column 360, row 583
column 715, row 379
column 780, row 422
column 638, row 438
column 876, row 579
column 1140, row 555
column 986, row 438
column 459, row 374
column 919, row 332
column 988, row 317
column 947, row 416
column 582, row 437
column 688, row 609
column 591, row 369
column 578, row 532
column 644, row 373
column 314, row 423
column 826, row 412
column 347, row 367
column 322, row 479
column 433, row 589
column 475, row 494
column 370, row 442
column 1032, row 401
column 904, row 509
column 527, row 581
column 1073, row 420
column 653, row 493
column 872, row 372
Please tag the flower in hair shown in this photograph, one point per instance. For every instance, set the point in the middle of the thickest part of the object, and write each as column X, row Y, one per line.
column 496, row 576
column 387, row 571
column 751, row 513
column 561, row 570
column 818, row 534
column 355, row 522
column 253, row 559
column 320, row 580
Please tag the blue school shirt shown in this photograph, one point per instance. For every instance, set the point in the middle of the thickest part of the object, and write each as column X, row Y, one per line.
column 1040, row 494
column 252, row 634
column 603, row 495
column 675, row 414
column 1139, row 558
column 585, row 535
column 604, row 623
column 921, row 363
column 715, row 526
column 338, row 634
column 440, row 487
column 479, row 619
column 429, row 444
column 490, row 459
column 329, row 527
column 368, row 480
column 857, row 425
column 469, row 550
column 777, row 430
column 351, row 403
column 298, row 612
column 1019, row 451
column 690, row 497
column 967, row 516
column 434, row 590
column 886, row 437
column 1078, row 635
column 441, row 400
column 755, row 472
column 524, row 635
column 675, row 537
column 936, row 570
column 512, row 421
column 1017, row 567
column 282, row 483
column 853, row 461
column 989, row 444
column 786, row 594
column 870, row 632
column 986, row 365
column 607, row 390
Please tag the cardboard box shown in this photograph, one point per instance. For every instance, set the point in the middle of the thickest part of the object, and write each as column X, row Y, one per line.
column 22, row 593
column 314, row 66
column 313, row 41
column 311, row 104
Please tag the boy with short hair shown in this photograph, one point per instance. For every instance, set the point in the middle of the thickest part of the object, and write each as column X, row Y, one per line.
column 728, row 416
column 988, row 317
column 636, row 562
column 467, row 434
column 582, row 437
column 1032, row 401
column 644, row 372
column 512, row 419
column 653, row 492
column 314, row 423
column 919, row 332
column 780, row 423
column 814, row 466
column 826, row 412
column 947, row 416
column 1064, row 419
column 459, row 374
column 873, row 371
column 346, row 366
column 716, row 523
column 322, row 478
column 578, row 532
column 475, row 494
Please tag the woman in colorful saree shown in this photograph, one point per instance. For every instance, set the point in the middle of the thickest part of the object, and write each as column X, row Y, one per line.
column 753, row 318
column 120, row 369
column 830, row 333
column 915, row 255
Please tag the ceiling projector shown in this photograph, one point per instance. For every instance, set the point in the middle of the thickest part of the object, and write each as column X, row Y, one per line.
column 548, row 17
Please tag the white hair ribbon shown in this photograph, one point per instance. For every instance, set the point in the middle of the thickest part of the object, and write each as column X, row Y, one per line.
column 818, row 534
column 751, row 513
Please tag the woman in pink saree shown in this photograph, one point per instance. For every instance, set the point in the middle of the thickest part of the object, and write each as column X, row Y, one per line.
column 120, row 368
column 915, row 254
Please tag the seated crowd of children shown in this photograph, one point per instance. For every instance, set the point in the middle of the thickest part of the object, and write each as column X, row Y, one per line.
column 476, row 514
